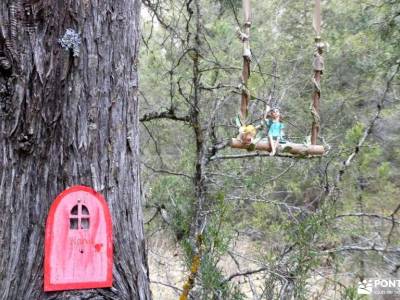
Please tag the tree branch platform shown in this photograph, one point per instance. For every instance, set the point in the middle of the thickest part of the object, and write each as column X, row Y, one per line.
column 301, row 150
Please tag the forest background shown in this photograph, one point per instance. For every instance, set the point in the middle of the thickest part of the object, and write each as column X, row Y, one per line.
column 279, row 227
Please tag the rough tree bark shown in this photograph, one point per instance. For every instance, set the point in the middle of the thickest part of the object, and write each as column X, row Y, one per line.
column 67, row 120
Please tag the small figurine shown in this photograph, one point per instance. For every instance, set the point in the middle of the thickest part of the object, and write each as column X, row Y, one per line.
column 247, row 134
column 272, row 119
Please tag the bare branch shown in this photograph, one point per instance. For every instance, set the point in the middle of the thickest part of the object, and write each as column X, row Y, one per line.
column 245, row 273
column 167, row 285
column 282, row 173
column 155, row 143
column 166, row 171
column 168, row 114
column 393, row 225
column 368, row 129
column 154, row 7
column 357, row 214
column 363, row 249
column 158, row 209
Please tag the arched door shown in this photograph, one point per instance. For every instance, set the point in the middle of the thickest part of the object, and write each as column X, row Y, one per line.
column 78, row 246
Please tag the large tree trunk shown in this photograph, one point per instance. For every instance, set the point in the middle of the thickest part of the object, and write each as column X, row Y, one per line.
column 68, row 120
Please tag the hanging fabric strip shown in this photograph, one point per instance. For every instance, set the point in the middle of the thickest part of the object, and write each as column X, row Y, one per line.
column 318, row 66
column 317, row 17
column 247, row 11
column 245, row 37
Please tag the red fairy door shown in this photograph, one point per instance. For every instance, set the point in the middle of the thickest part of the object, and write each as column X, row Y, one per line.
column 78, row 246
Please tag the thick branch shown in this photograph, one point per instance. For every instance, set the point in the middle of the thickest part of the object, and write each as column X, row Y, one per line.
column 249, row 155
column 300, row 150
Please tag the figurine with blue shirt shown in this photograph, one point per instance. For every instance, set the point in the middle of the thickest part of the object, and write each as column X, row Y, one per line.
column 274, row 125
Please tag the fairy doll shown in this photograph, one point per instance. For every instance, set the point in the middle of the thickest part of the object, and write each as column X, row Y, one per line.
column 274, row 125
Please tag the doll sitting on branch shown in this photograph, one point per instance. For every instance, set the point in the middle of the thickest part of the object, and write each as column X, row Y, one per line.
column 273, row 123
column 274, row 128
column 251, row 140
column 247, row 134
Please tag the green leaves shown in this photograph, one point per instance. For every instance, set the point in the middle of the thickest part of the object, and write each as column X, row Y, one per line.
column 354, row 134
